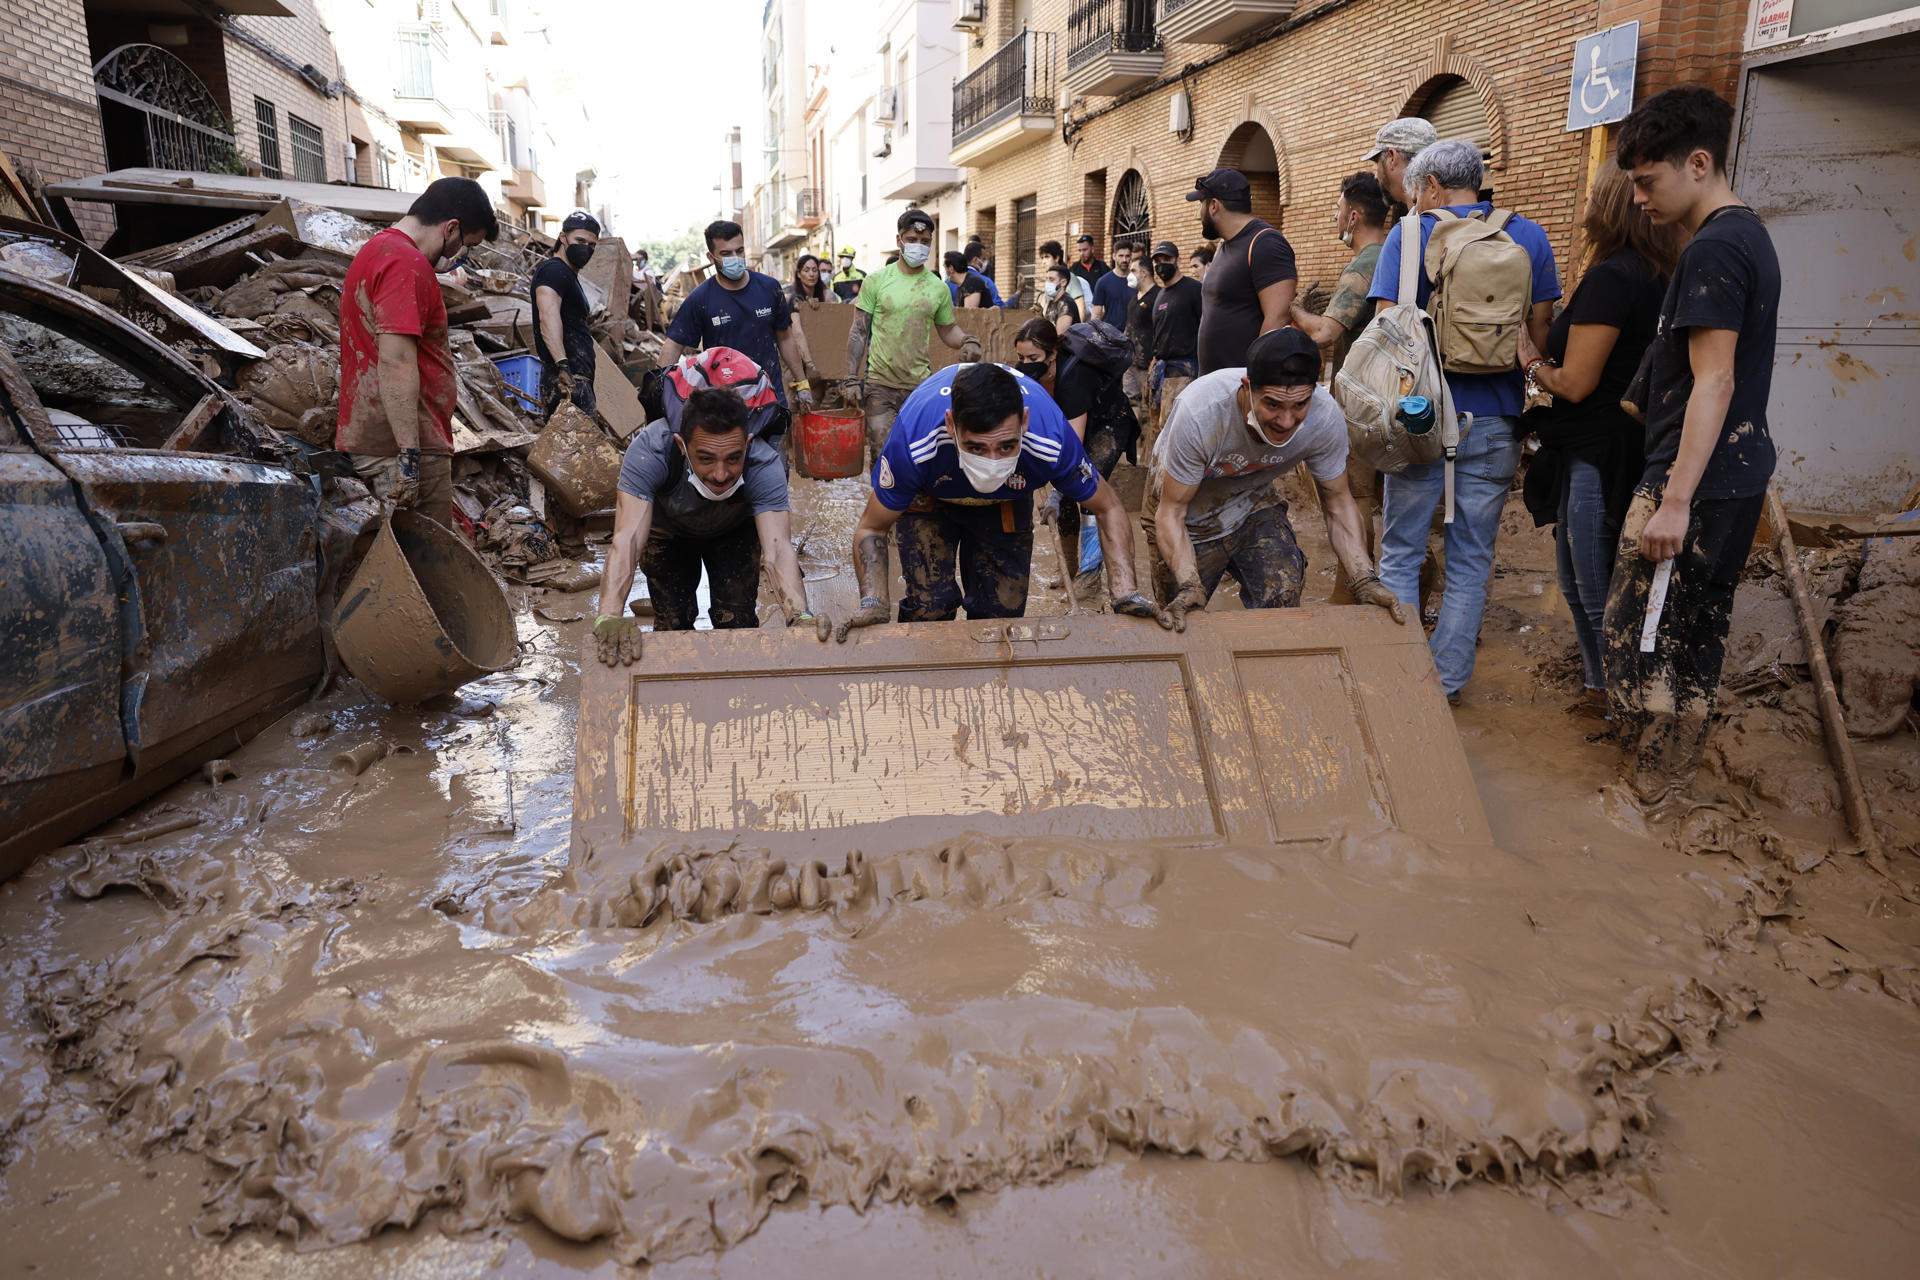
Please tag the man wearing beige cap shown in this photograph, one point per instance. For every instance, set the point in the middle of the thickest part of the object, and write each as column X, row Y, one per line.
column 1398, row 142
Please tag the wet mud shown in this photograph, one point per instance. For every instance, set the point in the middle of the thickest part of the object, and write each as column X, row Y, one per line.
column 375, row 1020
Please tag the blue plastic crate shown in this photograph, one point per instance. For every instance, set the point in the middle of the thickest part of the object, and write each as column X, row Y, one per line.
column 522, row 372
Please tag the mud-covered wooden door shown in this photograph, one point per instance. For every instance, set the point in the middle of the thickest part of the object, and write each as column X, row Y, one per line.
column 1257, row 726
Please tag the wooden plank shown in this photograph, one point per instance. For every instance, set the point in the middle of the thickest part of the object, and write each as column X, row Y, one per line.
column 617, row 398
column 187, row 437
column 827, row 328
column 1262, row 726
column 231, row 191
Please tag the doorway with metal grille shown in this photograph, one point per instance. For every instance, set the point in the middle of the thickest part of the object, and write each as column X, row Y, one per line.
column 156, row 113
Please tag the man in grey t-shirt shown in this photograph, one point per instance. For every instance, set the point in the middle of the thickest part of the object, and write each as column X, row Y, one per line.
column 1215, row 508
column 702, row 495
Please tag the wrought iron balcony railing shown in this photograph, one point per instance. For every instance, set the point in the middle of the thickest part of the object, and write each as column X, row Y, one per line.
column 1095, row 27
column 1018, row 80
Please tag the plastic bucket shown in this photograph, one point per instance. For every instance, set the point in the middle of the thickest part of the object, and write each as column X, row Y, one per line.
column 830, row 446
column 422, row 615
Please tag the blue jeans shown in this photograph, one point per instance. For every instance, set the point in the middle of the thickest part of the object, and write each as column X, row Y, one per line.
column 1584, row 541
column 1482, row 472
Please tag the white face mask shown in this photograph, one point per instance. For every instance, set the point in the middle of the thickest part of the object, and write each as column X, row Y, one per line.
column 1133, row 279
column 715, row 495
column 915, row 255
column 987, row 474
column 1050, row 289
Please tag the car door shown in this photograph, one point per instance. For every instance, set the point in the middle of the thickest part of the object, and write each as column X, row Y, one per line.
column 210, row 559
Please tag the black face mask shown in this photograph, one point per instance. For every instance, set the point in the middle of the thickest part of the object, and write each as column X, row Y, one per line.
column 1035, row 369
column 579, row 255
column 1165, row 270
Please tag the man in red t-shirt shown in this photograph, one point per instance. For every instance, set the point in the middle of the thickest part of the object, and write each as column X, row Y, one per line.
column 397, row 386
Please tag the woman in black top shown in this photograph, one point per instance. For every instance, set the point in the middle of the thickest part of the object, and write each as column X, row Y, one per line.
column 1095, row 405
column 1591, row 451
column 810, row 283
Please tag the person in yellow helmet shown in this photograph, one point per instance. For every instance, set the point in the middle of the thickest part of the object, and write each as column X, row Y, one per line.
column 847, row 280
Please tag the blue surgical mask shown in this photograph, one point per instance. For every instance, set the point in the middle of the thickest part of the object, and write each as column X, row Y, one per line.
column 915, row 255
column 733, row 266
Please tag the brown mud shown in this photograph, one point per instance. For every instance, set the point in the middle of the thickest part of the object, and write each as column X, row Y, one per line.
column 380, row 1010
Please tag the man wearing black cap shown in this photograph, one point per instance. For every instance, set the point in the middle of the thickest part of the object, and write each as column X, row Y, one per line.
column 1085, row 265
column 1170, row 324
column 560, row 306
column 901, row 307
column 1249, row 288
column 1213, row 508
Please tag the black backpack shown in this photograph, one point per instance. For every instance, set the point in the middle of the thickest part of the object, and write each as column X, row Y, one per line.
column 1099, row 345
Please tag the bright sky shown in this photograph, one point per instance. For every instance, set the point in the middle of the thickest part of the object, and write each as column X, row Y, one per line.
column 664, row 81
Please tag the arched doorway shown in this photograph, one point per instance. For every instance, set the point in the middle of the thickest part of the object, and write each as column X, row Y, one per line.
column 1132, row 223
column 1456, row 110
column 1250, row 149
column 156, row 113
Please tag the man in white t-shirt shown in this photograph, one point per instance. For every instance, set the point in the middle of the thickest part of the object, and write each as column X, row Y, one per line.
column 1215, row 506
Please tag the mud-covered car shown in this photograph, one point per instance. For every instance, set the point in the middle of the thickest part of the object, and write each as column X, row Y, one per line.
column 160, row 603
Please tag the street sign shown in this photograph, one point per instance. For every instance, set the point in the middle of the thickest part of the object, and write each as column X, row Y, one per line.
column 1602, row 89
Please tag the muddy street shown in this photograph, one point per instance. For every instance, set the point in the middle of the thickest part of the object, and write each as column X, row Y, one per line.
column 385, row 1012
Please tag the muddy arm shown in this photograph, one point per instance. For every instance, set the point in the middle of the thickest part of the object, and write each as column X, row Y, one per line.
column 1116, row 540
column 1170, row 529
column 783, row 566
column 632, row 520
column 857, row 339
column 1346, row 529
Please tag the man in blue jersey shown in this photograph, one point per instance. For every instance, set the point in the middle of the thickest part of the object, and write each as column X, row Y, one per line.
column 958, row 473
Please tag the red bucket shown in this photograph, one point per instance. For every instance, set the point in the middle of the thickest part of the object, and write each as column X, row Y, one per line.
column 830, row 446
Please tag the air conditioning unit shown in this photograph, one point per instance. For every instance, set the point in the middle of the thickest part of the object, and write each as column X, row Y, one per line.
column 886, row 104
column 969, row 15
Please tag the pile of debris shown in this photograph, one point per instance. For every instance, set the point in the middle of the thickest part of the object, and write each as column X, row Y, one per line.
column 256, row 303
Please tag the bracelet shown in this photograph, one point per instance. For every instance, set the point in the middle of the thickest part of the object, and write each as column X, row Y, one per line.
column 872, row 602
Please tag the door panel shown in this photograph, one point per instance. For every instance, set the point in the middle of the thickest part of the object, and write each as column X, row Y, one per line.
column 224, row 558
column 59, row 649
column 1270, row 725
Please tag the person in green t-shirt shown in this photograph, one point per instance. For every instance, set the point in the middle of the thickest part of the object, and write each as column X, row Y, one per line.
column 901, row 306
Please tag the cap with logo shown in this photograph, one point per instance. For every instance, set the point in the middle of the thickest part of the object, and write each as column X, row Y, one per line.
column 914, row 218
column 578, row 220
column 1166, row 249
column 1283, row 358
column 1409, row 135
column 1084, row 240
column 1228, row 186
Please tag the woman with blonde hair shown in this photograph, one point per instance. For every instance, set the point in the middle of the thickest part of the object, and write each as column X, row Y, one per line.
column 1591, row 452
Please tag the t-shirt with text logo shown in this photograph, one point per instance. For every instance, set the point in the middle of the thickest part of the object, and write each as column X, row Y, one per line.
column 748, row 319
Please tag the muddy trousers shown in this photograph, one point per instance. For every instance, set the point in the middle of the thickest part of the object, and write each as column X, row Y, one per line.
column 1262, row 555
column 436, row 481
column 672, row 568
column 992, row 544
column 1663, row 701
column 881, row 406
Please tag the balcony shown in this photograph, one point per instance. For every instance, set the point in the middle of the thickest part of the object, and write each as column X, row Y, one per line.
column 809, row 207
column 1111, row 46
column 1007, row 102
column 423, row 71
column 469, row 139
column 1219, row 21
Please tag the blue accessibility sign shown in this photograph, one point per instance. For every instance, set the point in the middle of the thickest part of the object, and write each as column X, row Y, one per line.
column 1602, row 89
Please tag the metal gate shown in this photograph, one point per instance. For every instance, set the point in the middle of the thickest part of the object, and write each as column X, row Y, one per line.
column 1132, row 224
column 156, row 113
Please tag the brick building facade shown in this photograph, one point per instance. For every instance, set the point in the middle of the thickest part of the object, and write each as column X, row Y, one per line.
column 50, row 112
column 1295, row 105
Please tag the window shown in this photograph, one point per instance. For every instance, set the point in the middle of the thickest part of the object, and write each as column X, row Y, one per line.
column 900, row 80
column 383, row 167
column 309, row 150
column 267, row 125
column 1026, row 234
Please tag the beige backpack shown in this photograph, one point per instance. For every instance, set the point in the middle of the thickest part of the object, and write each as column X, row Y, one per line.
column 1482, row 289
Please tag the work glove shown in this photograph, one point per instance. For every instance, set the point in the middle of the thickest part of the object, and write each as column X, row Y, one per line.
column 803, row 399
column 1189, row 596
column 1136, row 605
column 405, row 492
column 971, row 350
column 822, row 624
column 564, row 381
column 872, row 613
column 1046, row 511
column 616, row 639
column 1370, row 590
column 853, row 392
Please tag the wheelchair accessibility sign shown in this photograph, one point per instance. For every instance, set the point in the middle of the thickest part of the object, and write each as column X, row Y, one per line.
column 1602, row 91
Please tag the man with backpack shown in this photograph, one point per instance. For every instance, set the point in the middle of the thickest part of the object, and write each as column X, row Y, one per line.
column 1495, row 273
column 1213, row 506
column 1710, row 455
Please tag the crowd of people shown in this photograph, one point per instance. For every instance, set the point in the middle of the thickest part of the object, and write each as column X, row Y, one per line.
column 1643, row 396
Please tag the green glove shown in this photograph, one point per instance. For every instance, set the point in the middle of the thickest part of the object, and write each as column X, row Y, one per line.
column 616, row 639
